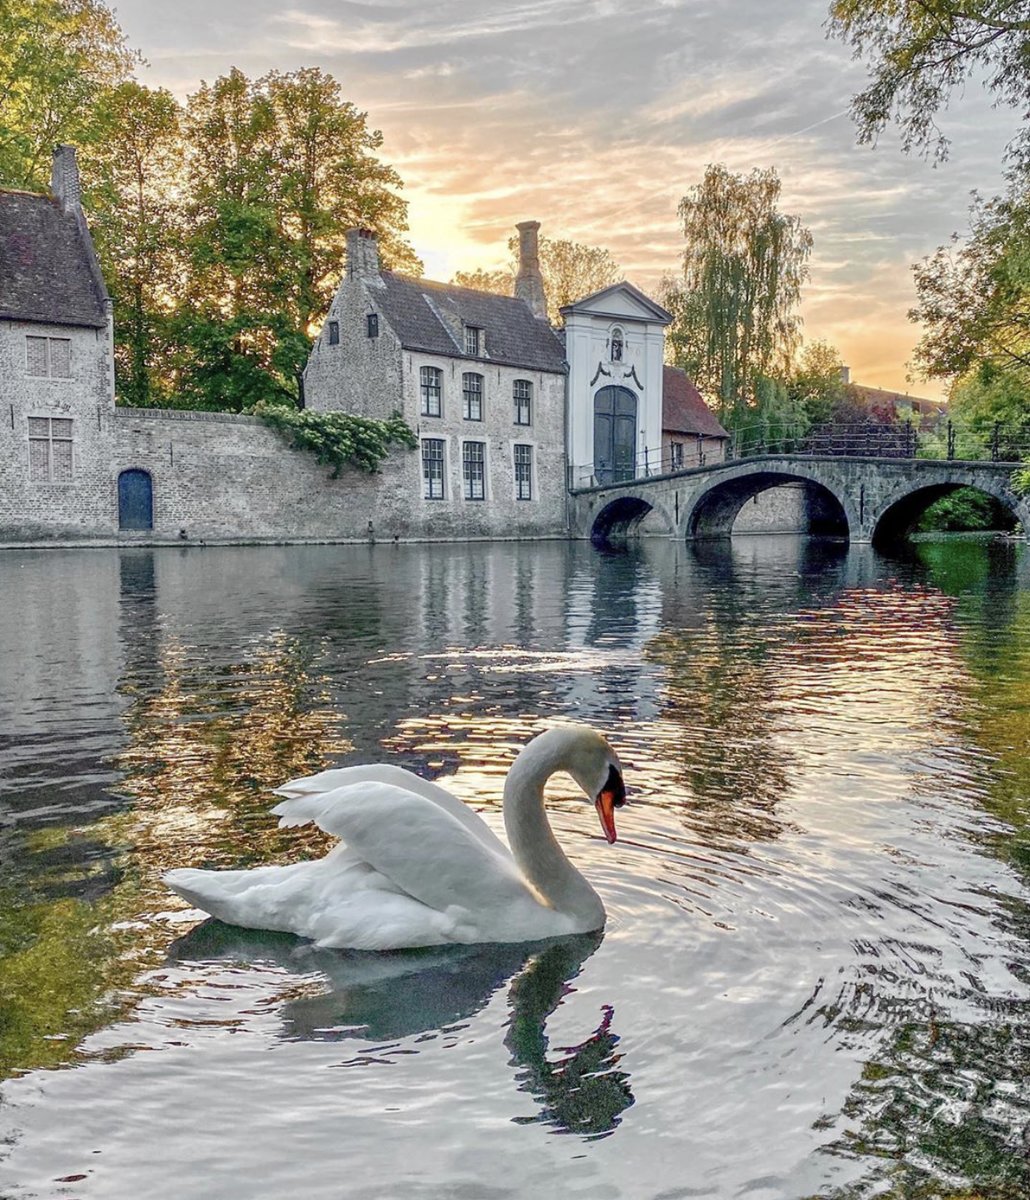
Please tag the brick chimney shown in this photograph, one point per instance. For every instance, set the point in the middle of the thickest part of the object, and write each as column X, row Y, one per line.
column 529, row 283
column 64, row 179
column 845, row 374
column 362, row 254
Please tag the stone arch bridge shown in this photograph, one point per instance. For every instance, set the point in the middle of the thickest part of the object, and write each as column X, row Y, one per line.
column 864, row 499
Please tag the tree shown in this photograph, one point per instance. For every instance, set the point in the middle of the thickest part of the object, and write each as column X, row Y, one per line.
column 278, row 170
column 817, row 382
column 735, row 303
column 56, row 59
column 135, row 168
column 570, row 270
column 922, row 50
column 975, row 299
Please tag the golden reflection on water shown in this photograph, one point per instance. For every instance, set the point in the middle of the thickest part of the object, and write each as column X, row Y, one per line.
column 203, row 751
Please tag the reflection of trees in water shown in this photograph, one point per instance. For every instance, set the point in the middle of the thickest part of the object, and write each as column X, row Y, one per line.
column 204, row 745
column 719, row 694
column 943, row 1109
column 383, row 997
column 944, row 1104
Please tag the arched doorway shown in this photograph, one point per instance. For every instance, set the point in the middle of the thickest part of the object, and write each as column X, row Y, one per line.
column 615, row 435
column 135, row 500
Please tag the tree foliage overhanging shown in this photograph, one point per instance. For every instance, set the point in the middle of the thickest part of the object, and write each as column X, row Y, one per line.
column 220, row 224
column 921, row 52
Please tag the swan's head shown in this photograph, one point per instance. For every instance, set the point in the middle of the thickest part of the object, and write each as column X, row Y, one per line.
column 596, row 768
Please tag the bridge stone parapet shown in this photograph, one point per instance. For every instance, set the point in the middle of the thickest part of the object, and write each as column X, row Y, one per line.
column 865, row 499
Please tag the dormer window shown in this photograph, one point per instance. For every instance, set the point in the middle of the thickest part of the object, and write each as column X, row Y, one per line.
column 334, row 333
column 616, row 345
column 473, row 341
column 372, row 324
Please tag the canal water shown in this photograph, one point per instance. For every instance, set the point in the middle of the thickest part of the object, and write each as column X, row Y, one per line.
column 815, row 976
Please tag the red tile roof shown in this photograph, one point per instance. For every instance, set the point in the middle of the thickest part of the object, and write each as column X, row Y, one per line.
column 684, row 409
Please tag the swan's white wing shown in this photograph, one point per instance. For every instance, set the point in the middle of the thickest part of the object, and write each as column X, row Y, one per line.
column 424, row 851
column 329, row 781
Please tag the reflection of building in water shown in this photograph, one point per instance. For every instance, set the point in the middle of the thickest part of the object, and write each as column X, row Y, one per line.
column 614, row 606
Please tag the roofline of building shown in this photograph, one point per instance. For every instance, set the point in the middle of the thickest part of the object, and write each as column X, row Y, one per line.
column 484, row 362
column 662, row 315
column 37, row 319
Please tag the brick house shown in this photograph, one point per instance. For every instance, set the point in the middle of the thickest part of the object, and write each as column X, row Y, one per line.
column 691, row 433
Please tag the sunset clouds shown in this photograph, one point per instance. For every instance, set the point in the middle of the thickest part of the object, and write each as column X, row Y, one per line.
column 596, row 116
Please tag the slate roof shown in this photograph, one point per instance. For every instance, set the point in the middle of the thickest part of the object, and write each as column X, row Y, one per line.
column 48, row 270
column 684, row 409
column 430, row 316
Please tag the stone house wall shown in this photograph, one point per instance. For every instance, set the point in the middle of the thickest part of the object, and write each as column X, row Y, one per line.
column 500, row 514
column 32, row 508
column 359, row 374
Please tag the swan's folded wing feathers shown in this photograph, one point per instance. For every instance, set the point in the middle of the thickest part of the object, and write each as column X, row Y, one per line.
column 425, row 851
column 326, row 782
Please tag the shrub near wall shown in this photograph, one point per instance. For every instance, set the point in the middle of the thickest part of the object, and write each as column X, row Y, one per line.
column 338, row 439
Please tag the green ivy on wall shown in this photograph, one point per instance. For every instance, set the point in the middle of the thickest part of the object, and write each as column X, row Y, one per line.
column 338, row 439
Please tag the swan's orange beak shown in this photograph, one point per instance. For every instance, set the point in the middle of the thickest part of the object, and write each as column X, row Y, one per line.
column 610, row 797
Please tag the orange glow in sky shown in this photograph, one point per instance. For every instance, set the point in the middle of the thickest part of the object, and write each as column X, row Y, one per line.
column 596, row 116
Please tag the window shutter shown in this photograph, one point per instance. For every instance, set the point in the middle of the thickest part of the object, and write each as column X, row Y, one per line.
column 61, row 358
column 35, row 355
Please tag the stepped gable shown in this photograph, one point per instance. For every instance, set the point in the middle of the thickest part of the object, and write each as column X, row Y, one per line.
column 683, row 407
column 430, row 317
column 46, row 272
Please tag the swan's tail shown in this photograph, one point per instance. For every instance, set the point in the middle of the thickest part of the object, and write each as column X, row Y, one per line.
column 212, row 891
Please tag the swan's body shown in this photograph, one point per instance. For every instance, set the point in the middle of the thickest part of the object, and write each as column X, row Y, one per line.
column 419, row 868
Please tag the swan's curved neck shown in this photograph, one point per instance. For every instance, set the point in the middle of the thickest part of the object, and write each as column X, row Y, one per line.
column 533, row 845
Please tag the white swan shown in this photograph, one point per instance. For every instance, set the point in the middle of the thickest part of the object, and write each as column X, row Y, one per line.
column 419, row 868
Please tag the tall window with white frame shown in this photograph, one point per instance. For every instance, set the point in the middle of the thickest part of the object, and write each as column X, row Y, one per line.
column 431, row 381
column 432, row 468
column 523, row 472
column 523, row 395
column 472, row 391
column 473, row 470
column 48, row 356
column 473, row 341
column 50, row 449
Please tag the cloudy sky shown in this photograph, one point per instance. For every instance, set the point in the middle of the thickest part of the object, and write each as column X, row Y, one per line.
column 596, row 116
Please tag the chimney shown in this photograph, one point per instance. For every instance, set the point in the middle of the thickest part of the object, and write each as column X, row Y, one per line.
column 845, row 374
column 362, row 254
column 64, row 179
column 529, row 283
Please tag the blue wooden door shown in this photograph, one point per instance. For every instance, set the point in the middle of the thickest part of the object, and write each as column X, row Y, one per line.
column 135, row 500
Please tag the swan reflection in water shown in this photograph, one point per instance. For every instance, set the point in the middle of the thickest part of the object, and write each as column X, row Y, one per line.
column 380, row 997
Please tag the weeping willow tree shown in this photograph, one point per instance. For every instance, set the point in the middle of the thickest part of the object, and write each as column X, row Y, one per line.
column 735, row 305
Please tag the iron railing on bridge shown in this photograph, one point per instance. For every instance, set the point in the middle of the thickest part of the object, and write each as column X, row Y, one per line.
column 866, row 439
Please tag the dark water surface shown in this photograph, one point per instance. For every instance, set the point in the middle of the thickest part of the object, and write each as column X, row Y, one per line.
column 815, row 976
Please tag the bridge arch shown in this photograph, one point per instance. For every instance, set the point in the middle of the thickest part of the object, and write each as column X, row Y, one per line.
column 905, row 504
column 715, row 508
column 622, row 517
